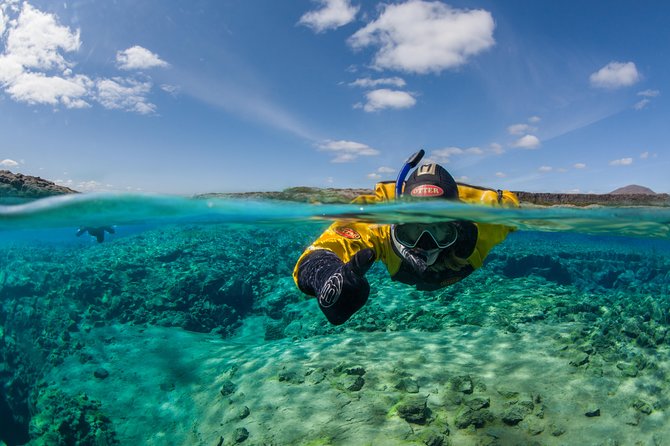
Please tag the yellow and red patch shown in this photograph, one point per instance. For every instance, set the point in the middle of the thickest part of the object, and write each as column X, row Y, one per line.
column 347, row 232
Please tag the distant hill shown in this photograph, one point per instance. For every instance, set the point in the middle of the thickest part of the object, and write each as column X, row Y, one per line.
column 19, row 186
column 633, row 189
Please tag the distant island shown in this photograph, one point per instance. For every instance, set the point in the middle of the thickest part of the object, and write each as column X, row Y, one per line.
column 17, row 186
column 22, row 187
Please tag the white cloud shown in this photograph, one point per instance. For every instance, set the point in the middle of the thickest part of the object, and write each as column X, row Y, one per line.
column 501, row 174
column 38, row 88
column 34, row 68
column 8, row 163
column 172, row 89
column 332, row 15
column 138, row 58
column 644, row 155
column 366, row 82
column 382, row 170
column 527, row 142
column 534, row 119
column 579, row 166
column 545, row 169
column 520, row 129
column 124, row 94
column 461, row 179
column 421, row 37
column 641, row 104
column 385, row 98
column 615, row 75
column 346, row 151
column 649, row 93
column 646, row 98
column 474, row 151
column 621, row 162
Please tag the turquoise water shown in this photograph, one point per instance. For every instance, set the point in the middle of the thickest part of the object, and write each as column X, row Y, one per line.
column 190, row 303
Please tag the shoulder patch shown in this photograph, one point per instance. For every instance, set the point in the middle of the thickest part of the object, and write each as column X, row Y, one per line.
column 347, row 232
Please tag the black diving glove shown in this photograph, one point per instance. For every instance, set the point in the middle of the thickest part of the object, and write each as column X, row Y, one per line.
column 324, row 275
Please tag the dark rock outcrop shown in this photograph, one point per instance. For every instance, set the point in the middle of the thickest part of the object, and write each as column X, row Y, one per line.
column 16, row 185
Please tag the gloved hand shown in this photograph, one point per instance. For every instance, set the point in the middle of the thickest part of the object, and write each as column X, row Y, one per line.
column 348, row 281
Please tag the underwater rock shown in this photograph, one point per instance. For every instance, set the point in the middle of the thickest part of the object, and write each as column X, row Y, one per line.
column 167, row 386
column 357, row 385
column 628, row 369
column 556, row 430
column 579, row 359
column 508, row 394
column 101, row 373
column 642, row 406
column 228, row 388
column 240, row 435
column 291, row 376
column 274, row 330
column 243, row 413
column 407, row 385
column 592, row 412
column 468, row 417
column 462, row 383
column 516, row 412
column 414, row 410
column 62, row 419
column 478, row 403
column 432, row 437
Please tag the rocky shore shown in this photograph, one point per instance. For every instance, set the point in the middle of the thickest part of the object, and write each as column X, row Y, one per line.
column 18, row 186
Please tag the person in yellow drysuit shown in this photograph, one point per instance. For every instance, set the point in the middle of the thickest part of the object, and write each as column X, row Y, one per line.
column 429, row 256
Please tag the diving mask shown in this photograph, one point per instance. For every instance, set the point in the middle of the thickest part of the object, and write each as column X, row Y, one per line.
column 408, row 235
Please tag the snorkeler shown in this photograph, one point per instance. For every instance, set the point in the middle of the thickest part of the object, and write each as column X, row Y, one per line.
column 96, row 231
column 428, row 256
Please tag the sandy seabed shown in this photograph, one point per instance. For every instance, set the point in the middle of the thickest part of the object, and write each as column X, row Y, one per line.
column 169, row 386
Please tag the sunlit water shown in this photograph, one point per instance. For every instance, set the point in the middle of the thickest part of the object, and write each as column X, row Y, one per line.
column 190, row 296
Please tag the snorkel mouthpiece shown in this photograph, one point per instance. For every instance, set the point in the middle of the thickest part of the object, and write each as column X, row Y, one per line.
column 411, row 163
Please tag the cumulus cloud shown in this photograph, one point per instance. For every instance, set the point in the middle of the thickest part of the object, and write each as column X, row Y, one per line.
column 366, row 82
column 534, row 119
column 138, row 58
column 644, row 155
column 378, row 173
column 421, row 37
column 445, row 154
column 385, row 98
column 8, row 163
column 615, row 75
column 501, row 174
column 34, row 68
column 579, row 166
column 125, row 94
column 527, row 142
column 520, row 129
column 346, row 151
column 332, row 15
column 621, row 162
column 545, row 168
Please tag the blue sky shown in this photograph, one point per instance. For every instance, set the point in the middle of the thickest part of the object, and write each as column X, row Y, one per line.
column 185, row 97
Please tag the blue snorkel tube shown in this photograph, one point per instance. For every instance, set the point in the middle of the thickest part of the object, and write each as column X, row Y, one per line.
column 410, row 164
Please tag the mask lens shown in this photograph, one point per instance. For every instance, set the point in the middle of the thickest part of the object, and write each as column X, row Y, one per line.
column 444, row 234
